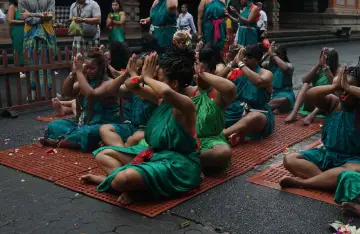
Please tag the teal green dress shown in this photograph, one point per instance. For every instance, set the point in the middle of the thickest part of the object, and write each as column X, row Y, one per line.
column 320, row 79
column 210, row 122
column 340, row 135
column 116, row 32
column 174, row 167
column 17, row 37
column 164, row 24
column 141, row 112
column 213, row 23
column 84, row 132
column 256, row 98
column 283, row 87
column 348, row 187
column 247, row 34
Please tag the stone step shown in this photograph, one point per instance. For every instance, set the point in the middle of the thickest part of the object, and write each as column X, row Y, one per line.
column 301, row 38
column 297, row 33
column 317, row 42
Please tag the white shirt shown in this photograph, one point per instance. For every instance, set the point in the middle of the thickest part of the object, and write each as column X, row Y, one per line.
column 263, row 18
column 2, row 17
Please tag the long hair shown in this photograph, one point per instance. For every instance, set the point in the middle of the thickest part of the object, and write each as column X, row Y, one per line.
column 206, row 56
column 96, row 55
column 179, row 66
column 280, row 49
column 149, row 43
column 332, row 60
column 118, row 2
column 120, row 54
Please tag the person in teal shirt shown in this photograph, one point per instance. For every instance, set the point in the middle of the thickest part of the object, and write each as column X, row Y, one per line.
column 321, row 168
column 211, row 22
column 250, row 116
column 163, row 16
column 283, row 97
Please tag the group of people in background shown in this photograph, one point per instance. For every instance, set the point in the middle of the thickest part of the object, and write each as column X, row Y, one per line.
column 183, row 109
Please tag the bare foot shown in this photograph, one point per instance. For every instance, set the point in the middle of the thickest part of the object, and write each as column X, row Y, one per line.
column 57, row 106
column 93, row 179
column 289, row 182
column 308, row 120
column 48, row 142
column 125, row 199
column 291, row 118
column 350, row 208
column 276, row 112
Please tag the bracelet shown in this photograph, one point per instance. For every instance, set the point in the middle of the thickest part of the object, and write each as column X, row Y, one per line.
column 230, row 64
column 83, row 20
column 241, row 65
column 134, row 80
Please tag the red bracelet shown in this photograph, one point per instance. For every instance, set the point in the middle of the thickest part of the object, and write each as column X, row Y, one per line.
column 135, row 80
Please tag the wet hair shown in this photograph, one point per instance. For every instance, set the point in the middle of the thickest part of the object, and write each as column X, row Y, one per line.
column 178, row 66
column 206, row 56
column 255, row 51
column 216, row 53
column 282, row 50
column 149, row 43
column 97, row 56
column 234, row 50
column 333, row 60
column 118, row 2
column 120, row 54
column 354, row 71
column 14, row 2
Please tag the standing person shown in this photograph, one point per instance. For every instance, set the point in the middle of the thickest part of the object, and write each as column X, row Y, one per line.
column 88, row 14
column 263, row 21
column 185, row 20
column 247, row 33
column 163, row 18
column 2, row 17
column 16, row 29
column 38, row 34
column 211, row 22
column 115, row 22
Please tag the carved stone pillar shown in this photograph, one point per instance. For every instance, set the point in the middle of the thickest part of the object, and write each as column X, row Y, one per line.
column 132, row 10
column 272, row 9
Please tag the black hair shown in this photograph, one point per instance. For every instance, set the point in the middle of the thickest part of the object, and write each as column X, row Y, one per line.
column 255, row 51
column 14, row 2
column 216, row 53
column 282, row 50
column 149, row 43
column 206, row 56
column 185, row 5
column 179, row 65
column 354, row 71
column 118, row 2
column 120, row 54
column 97, row 55
column 332, row 60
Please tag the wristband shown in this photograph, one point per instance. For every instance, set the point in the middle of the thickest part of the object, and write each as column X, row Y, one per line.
column 134, row 80
column 241, row 65
column 230, row 64
column 84, row 20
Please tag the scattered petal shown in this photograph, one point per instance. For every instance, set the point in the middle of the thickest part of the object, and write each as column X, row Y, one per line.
column 11, row 154
column 31, row 153
column 22, row 181
column 75, row 225
column 89, row 168
column 76, row 194
column 7, row 140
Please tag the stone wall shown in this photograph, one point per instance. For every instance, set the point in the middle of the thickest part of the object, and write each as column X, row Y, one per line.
column 132, row 11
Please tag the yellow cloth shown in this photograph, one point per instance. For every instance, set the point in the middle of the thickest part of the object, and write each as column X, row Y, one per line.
column 228, row 24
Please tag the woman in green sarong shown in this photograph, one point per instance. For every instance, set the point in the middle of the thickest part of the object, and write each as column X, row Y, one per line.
column 132, row 131
column 321, row 74
column 211, row 22
column 347, row 193
column 170, row 165
column 250, row 116
column 320, row 168
column 211, row 97
column 115, row 22
column 163, row 16
column 16, row 29
column 95, row 105
column 283, row 97
column 247, row 33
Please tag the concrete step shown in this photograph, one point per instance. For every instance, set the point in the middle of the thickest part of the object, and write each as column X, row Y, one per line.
column 297, row 33
column 302, row 38
column 317, row 42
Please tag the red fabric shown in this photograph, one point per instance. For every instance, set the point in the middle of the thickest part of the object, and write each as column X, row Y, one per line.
column 235, row 74
column 123, row 70
column 266, row 43
column 144, row 156
column 252, row 7
column 216, row 24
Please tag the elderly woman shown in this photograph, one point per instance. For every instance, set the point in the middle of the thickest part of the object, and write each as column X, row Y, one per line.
column 38, row 34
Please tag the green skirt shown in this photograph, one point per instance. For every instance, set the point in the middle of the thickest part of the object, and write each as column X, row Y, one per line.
column 211, row 141
column 117, row 34
column 348, row 187
column 167, row 174
column 289, row 95
column 247, row 36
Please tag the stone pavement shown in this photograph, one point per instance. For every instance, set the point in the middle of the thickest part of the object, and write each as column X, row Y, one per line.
column 32, row 205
